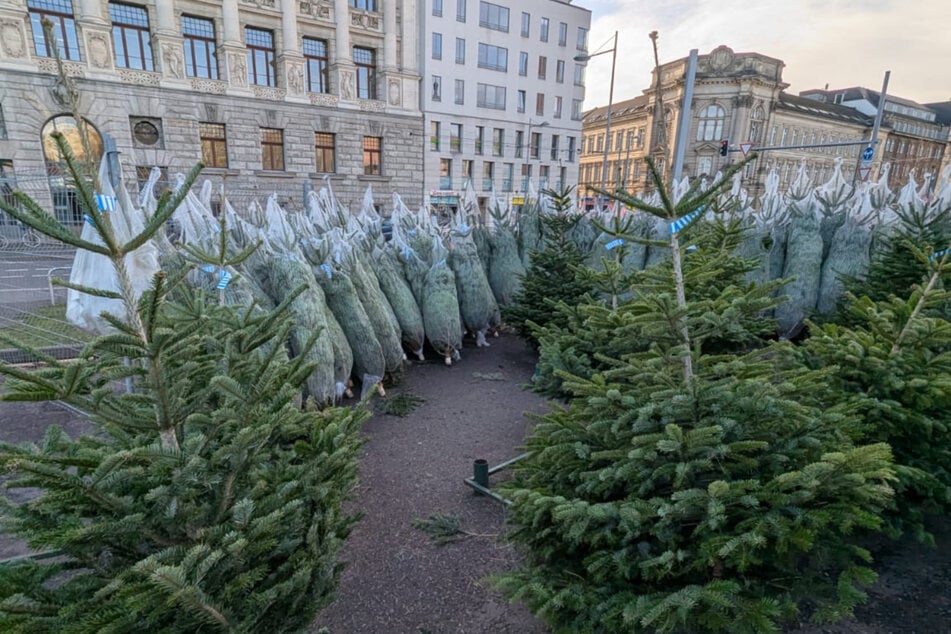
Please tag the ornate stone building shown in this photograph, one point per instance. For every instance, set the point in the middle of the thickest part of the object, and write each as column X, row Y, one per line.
column 740, row 98
column 270, row 94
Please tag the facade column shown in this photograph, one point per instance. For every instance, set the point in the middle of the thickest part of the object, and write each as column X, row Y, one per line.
column 167, row 46
column 91, row 11
column 291, row 60
column 389, row 35
column 94, row 30
column 344, row 71
column 234, row 57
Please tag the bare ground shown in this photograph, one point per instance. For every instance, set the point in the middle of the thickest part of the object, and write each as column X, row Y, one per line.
column 398, row 581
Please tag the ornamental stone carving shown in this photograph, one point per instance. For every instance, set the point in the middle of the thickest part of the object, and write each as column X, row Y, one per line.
column 48, row 65
column 372, row 105
column 212, row 86
column 323, row 99
column 393, row 91
column 319, row 10
column 11, row 38
column 172, row 57
column 367, row 21
column 348, row 90
column 262, row 4
column 99, row 50
column 295, row 78
column 267, row 92
column 238, row 69
column 139, row 77
column 721, row 58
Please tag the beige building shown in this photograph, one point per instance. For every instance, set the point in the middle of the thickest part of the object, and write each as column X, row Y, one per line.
column 272, row 95
column 739, row 98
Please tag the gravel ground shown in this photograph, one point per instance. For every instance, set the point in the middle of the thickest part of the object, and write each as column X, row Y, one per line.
column 397, row 581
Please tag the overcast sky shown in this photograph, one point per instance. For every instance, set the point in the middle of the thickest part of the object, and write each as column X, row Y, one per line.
column 837, row 42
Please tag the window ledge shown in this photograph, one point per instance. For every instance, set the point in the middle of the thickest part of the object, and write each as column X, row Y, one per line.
column 373, row 178
column 275, row 173
column 322, row 175
column 221, row 171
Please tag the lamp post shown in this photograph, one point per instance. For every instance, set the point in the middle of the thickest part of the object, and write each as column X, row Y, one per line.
column 528, row 146
column 607, row 124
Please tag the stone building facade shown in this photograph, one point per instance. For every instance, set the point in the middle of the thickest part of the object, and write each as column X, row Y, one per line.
column 273, row 95
column 740, row 98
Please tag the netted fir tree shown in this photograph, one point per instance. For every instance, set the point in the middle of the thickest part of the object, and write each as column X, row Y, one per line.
column 553, row 275
column 687, row 490
column 205, row 500
column 731, row 313
column 892, row 364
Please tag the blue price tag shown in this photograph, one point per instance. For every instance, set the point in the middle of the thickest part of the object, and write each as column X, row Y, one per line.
column 613, row 244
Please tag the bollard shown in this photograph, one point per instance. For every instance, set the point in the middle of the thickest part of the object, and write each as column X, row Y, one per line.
column 480, row 473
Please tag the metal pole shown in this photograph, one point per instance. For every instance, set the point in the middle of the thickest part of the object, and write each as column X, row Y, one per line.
column 685, row 115
column 607, row 124
column 873, row 142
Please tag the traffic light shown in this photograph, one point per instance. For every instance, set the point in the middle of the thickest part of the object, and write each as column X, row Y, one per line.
column 724, row 147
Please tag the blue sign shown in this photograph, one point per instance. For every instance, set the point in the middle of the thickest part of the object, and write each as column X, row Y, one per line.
column 868, row 153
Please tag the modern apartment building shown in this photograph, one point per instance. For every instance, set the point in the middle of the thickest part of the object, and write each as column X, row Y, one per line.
column 501, row 96
column 270, row 94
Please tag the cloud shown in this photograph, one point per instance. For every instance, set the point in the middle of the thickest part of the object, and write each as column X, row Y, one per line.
column 839, row 42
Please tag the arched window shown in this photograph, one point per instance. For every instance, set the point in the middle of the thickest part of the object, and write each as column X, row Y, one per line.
column 757, row 121
column 86, row 154
column 710, row 127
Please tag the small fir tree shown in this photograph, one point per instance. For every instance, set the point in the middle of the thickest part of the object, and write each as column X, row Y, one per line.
column 688, row 487
column 553, row 273
column 206, row 500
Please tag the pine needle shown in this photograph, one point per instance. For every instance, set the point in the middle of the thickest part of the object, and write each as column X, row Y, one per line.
column 444, row 528
column 400, row 405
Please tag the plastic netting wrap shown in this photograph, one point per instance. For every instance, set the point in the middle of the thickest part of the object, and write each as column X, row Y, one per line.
column 440, row 307
column 505, row 264
column 400, row 297
column 477, row 304
column 804, row 264
column 96, row 271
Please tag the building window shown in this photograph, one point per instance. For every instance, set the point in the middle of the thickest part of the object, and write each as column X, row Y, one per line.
column 489, row 96
column 460, row 50
column 365, row 60
column 710, row 126
column 214, row 144
column 540, row 104
column 579, row 75
column 542, row 66
column 520, row 106
column 437, row 45
column 455, row 137
column 60, row 13
column 260, row 45
column 508, row 175
column 498, row 141
column 492, row 16
column 571, row 149
column 756, row 126
column 488, row 174
column 437, row 88
column 535, row 145
column 526, row 24
column 461, row 10
column 582, row 41
column 272, row 149
column 66, row 207
column 479, row 139
column 372, row 155
column 130, row 36
column 445, row 173
column 523, row 64
column 519, row 143
column 363, row 5
column 576, row 109
column 493, row 57
column 325, row 152
column 460, row 91
column 8, row 184
column 543, row 30
column 562, row 34
column 3, row 124
column 467, row 168
column 437, row 8
column 560, row 71
column 315, row 57
column 147, row 133
column 435, row 132
column 554, row 147
column 200, row 54
column 557, row 112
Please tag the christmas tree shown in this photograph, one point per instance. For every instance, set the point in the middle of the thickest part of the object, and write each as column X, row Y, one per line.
column 697, row 481
column 206, row 500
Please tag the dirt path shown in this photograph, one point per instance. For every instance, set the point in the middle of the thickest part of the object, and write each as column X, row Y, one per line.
column 397, row 580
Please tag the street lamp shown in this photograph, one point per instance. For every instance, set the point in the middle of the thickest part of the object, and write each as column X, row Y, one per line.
column 584, row 57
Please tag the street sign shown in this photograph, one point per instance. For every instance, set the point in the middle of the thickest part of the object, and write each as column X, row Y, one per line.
column 746, row 147
column 867, row 154
column 864, row 172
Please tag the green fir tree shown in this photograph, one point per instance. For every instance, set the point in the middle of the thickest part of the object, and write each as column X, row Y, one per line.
column 691, row 487
column 206, row 500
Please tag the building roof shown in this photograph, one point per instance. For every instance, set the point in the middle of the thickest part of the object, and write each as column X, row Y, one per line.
column 858, row 93
column 620, row 109
column 823, row 109
column 942, row 110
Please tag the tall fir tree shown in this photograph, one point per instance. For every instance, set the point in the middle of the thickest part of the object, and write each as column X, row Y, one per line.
column 206, row 500
column 688, row 487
